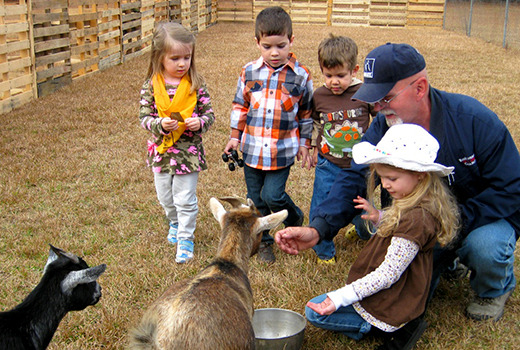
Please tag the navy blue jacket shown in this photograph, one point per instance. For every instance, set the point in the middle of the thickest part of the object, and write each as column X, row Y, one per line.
column 486, row 179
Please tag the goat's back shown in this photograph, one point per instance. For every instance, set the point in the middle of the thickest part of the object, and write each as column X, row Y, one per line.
column 211, row 312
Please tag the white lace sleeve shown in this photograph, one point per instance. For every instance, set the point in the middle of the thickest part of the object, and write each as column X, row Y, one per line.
column 399, row 255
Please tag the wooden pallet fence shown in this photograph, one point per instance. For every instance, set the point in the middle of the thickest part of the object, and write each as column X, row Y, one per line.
column 175, row 11
column 84, row 44
column 189, row 14
column 234, row 11
column 350, row 13
column 259, row 5
column 51, row 45
column 161, row 13
column 131, row 28
column 388, row 13
column 17, row 86
column 70, row 39
column 205, row 14
column 425, row 13
column 309, row 11
column 109, row 33
column 147, row 24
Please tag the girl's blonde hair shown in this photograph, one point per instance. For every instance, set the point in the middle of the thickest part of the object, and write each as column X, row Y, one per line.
column 165, row 37
column 430, row 194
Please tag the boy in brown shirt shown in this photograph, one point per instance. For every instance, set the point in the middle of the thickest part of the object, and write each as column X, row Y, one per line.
column 339, row 124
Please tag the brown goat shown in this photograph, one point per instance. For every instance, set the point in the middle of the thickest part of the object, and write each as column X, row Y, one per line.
column 214, row 309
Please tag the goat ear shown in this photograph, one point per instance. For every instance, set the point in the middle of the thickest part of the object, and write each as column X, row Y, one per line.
column 55, row 253
column 234, row 201
column 270, row 221
column 60, row 252
column 75, row 278
column 217, row 209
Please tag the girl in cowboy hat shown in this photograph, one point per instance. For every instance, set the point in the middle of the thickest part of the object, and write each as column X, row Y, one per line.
column 388, row 284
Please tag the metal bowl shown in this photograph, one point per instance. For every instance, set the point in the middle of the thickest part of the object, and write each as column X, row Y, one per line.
column 278, row 329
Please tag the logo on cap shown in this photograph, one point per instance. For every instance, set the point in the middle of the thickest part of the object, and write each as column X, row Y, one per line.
column 369, row 68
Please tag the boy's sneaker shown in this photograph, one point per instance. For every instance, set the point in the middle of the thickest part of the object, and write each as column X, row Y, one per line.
column 481, row 309
column 351, row 233
column 330, row 261
column 184, row 251
column 265, row 253
column 172, row 233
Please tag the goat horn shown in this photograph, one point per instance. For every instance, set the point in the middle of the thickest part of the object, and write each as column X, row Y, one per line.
column 75, row 278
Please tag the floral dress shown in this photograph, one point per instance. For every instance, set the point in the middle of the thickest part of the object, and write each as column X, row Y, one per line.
column 187, row 154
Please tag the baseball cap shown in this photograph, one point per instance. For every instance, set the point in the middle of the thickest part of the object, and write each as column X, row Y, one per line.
column 384, row 66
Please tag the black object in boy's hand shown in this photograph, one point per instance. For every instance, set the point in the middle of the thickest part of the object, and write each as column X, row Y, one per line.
column 235, row 161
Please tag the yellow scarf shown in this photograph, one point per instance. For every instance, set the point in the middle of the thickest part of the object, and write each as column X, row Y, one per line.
column 179, row 108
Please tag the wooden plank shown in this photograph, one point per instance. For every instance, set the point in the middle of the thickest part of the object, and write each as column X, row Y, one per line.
column 87, row 47
column 52, row 58
column 82, row 33
column 53, row 44
column 81, row 3
column 40, row 18
column 83, row 17
column 49, row 5
column 14, row 46
column 13, row 28
column 13, row 10
column 50, row 31
column 57, row 72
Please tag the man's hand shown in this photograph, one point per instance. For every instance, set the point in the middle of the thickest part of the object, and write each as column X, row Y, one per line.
column 293, row 240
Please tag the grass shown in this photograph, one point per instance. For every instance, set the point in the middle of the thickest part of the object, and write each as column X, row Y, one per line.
column 73, row 174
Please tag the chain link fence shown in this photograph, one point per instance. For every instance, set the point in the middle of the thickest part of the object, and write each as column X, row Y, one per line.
column 495, row 21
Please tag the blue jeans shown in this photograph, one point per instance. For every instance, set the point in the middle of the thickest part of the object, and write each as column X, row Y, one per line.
column 325, row 174
column 344, row 320
column 488, row 252
column 267, row 190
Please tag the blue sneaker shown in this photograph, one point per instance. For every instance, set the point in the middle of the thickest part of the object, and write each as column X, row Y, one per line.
column 172, row 233
column 184, row 251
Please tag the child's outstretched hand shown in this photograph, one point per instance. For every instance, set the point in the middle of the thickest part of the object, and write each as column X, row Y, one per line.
column 372, row 213
column 326, row 307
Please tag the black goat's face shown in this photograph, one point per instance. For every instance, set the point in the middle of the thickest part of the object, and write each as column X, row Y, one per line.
column 78, row 281
column 84, row 295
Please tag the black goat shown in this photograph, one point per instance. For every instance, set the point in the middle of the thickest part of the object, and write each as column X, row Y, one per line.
column 68, row 284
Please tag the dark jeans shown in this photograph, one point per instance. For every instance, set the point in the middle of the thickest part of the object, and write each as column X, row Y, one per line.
column 267, row 190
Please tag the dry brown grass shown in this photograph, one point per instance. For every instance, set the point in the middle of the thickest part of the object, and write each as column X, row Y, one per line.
column 73, row 175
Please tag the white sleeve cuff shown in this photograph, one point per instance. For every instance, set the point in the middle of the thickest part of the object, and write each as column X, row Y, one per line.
column 343, row 296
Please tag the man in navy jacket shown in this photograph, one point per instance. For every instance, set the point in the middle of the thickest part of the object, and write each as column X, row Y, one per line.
column 486, row 180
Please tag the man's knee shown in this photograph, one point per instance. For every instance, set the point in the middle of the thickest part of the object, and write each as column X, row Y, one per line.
column 494, row 243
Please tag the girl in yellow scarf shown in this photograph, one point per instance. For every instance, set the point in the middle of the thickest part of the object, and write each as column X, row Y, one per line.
column 175, row 108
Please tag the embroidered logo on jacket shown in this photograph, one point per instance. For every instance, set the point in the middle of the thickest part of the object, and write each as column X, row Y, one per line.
column 468, row 161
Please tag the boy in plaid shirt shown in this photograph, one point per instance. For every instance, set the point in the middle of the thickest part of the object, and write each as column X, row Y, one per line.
column 271, row 120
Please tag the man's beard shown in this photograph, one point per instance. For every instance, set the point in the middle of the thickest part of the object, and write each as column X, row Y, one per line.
column 395, row 120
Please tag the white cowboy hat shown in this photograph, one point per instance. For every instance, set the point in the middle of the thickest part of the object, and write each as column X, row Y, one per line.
column 405, row 146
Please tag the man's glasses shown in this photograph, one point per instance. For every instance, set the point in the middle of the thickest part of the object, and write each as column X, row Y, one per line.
column 386, row 102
